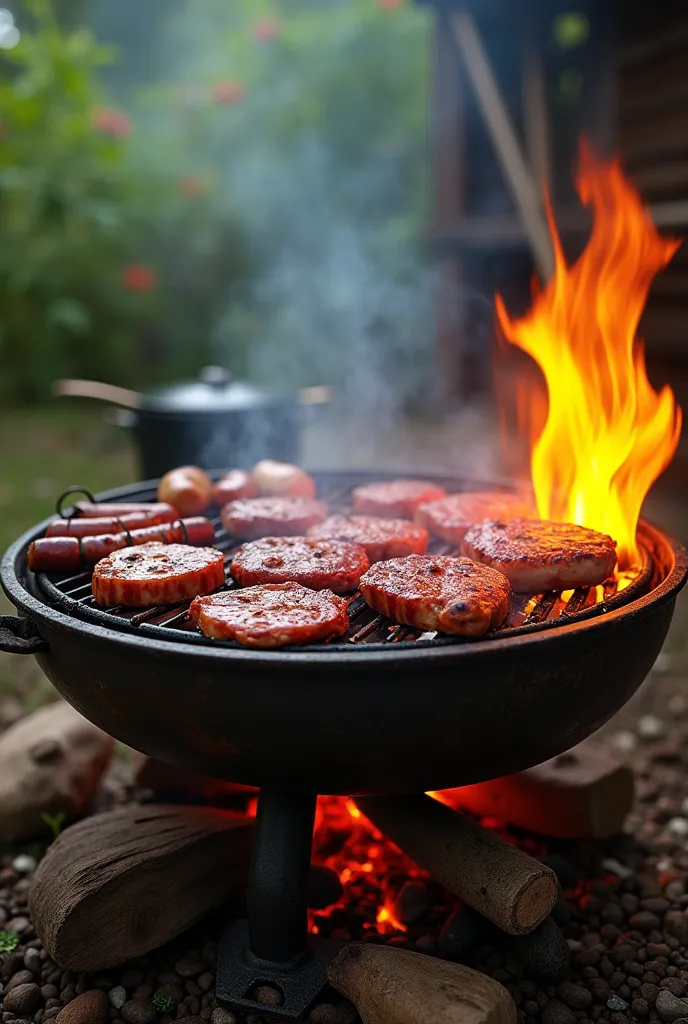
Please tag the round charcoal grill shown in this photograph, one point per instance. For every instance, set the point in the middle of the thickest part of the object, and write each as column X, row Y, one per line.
column 383, row 710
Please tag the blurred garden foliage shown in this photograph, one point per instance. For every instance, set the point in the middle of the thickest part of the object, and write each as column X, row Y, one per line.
column 223, row 180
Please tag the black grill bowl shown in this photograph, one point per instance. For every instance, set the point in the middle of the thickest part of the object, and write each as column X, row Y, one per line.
column 408, row 717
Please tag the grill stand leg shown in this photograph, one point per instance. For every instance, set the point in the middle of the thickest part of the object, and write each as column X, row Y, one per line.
column 273, row 946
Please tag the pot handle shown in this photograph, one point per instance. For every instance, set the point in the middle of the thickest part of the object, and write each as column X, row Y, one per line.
column 20, row 636
column 100, row 392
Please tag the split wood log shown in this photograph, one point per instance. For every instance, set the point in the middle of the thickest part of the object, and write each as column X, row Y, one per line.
column 396, row 986
column 51, row 762
column 120, row 884
column 168, row 780
column 584, row 793
column 510, row 888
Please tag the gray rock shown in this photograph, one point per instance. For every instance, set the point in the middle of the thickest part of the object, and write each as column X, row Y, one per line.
column 616, row 1003
column 669, row 1006
column 32, row 961
column 24, row 864
column 52, row 760
column 117, row 996
column 138, row 1011
column 189, row 967
column 222, row 1016
column 24, row 999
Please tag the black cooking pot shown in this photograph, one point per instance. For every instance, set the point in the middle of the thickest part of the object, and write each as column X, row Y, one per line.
column 211, row 422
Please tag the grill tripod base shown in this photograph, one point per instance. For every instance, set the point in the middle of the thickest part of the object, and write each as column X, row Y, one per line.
column 273, row 946
column 239, row 972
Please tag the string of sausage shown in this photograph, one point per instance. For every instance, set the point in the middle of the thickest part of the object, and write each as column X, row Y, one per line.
column 58, row 554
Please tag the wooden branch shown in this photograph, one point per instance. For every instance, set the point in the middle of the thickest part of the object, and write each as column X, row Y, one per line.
column 396, row 986
column 584, row 793
column 506, row 144
column 120, row 884
column 514, row 891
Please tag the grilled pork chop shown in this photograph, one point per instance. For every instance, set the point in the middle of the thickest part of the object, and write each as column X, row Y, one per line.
column 320, row 565
column 451, row 595
column 399, row 498
column 270, row 616
column 536, row 555
column 157, row 574
column 381, row 538
column 250, row 518
column 450, row 518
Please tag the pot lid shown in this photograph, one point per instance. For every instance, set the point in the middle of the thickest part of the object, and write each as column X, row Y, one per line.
column 215, row 390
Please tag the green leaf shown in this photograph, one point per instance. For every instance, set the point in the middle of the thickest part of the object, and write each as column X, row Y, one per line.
column 9, row 941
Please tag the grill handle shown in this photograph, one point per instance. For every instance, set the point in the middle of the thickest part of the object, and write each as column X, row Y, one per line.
column 20, row 636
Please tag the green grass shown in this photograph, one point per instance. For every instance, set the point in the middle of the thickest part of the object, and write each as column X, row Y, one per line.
column 42, row 452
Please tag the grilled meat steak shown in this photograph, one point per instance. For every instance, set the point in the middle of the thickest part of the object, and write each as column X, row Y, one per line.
column 536, row 555
column 399, row 498
column 320, row 565
column 249, row 518
column 450, row 595
column 450, row 518
column 381, row 538
column 270, row 616
column 157, row 574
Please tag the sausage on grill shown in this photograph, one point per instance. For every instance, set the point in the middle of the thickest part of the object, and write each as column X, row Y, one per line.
column 188, row 488
column 537, row 555
column 92, row 509
column 398, row 498
column 450, row 518
column 450, row 595
column 64, row 554
column 273, row 615
column 319, row 565
column 85, row 526
column 250, row 518
column 282, row 480
column 237, row 483
column 381, row 538
column 157, row 574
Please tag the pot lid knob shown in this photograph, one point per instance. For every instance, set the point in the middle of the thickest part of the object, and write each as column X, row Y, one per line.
column 217, row 376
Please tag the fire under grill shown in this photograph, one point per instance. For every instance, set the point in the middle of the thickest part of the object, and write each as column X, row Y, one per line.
column 72, row 594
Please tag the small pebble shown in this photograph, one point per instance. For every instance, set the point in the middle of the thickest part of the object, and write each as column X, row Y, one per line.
column 117, row 996
column 188, row 967
column 677, row 705
column 412, row 901
column 24, row 999
column 616, row 868
column 222, row 1016
column 139, row 1011
column 678, row 826
column 670, row 1007
column 556, row 1013
column 624, row 741
column 268, row 996
column 650, row 727
column 24, row 864
column 89, row 1008
column 616, row 1003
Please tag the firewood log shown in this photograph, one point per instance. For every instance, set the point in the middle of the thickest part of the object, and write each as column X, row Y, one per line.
column 395, row 986
column 119, row 884
column 510, row 888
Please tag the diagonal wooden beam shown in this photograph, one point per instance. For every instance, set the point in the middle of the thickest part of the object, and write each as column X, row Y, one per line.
column 505, row 141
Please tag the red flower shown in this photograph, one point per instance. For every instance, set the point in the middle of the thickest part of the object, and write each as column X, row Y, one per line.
column 228, row 91
column 267, row 28
column 139, row 278
column 111, row 122
column 191, row 186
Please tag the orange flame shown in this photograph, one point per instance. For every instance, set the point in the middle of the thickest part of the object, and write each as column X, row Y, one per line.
column 607, row 433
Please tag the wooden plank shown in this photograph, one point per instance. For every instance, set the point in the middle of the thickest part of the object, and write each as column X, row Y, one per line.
column 119, row 884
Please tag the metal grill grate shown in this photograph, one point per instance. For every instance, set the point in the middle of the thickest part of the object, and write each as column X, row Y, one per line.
column 528, row 613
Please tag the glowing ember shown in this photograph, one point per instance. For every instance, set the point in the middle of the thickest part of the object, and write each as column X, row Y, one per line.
column 607, row 433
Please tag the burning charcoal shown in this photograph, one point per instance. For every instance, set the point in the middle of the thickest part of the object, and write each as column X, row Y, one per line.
column 463, row 931
column 324, row 887
column 544, row 952
column 412, row 901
